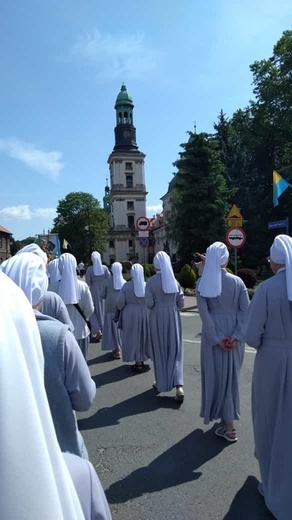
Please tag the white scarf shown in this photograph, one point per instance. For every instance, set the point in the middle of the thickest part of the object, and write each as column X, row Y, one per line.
column 281, row 253
column 97, row 265
column 53, row 271
column 118, row 280
column 35, row 481
column 137, row 273
column 162, row 262
column 34, row 248
column 28, row 271
column 69, row 288
column 210, row 283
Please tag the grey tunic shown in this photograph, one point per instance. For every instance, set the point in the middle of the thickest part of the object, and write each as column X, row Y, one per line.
column 88, row 487
column 111, row 337
column 222, row 317
column 165, row 331
column 95, row 283
column 133, row 323
column 269, row 330
column 53, row 305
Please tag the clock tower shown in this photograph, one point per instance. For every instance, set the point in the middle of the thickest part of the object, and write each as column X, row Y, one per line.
column 127, row 196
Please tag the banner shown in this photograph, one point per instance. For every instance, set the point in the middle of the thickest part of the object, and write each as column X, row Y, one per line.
column 50, row 243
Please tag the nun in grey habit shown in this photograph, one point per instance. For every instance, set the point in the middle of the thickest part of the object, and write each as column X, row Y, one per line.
column 269, row 331
column 164, row 299
column 223, row 304
column 111, row 339
column 133, row 320
column 95, row 275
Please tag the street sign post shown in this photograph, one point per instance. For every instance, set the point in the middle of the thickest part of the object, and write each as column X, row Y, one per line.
column 143, row 234
column 235, row 238
column 142, row 223
column 234, row 217
column 280, row 224
column 144, row 242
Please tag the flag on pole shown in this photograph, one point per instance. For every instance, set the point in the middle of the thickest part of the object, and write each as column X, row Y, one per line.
column 279, row 186
column 65, row 244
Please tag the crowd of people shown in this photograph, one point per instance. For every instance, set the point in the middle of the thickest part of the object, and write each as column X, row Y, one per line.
column 48, row 318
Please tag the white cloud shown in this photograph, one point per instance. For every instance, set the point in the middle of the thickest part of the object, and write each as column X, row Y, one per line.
column 46, row 163
column 23, row 212
column 153, row 210
column 115, row 56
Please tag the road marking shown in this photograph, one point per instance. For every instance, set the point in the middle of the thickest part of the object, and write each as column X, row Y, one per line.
column 247, row 349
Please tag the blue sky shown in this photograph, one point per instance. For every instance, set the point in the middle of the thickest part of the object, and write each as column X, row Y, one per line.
column 62, row 66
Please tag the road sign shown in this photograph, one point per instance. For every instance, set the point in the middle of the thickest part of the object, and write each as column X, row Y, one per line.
column 144, row 234
column 235, row 237
column 142, row 223
column 144, row 242
column 277, row 224
column 234, row 217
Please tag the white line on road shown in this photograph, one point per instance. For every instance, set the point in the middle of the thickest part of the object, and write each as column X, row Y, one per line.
column 247, row 349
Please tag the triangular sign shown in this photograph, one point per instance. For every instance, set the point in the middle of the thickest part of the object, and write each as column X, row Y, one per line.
column 234, row 212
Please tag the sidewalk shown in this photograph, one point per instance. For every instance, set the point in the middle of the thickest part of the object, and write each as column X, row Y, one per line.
column 190, row 304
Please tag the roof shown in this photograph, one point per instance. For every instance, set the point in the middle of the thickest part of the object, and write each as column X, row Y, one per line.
column 4, row 230
column 124, row 97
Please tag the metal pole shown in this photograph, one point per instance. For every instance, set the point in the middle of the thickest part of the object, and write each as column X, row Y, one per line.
column 235, row 260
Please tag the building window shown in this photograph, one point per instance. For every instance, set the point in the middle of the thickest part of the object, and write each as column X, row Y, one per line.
column 129, row 181
column 131, row 221
column 130, row 205
column 129, row 166
column 111, row 243
column 130, row 243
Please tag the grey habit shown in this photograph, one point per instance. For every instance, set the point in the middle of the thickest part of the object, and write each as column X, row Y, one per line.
column 53, row 305
column 165, row 330
column 88, row 487
column 223, row 316
column 133, row 324
column 111, row 337
column 95, row 283
column 269, row 331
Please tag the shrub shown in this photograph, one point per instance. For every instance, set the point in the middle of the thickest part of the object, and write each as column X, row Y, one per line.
column 127, row 277
column 248, row 276
column 187, row 277
column 148, row 270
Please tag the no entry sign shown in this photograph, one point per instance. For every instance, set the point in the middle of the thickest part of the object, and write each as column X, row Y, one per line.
column 235, row 237
column 142, row 223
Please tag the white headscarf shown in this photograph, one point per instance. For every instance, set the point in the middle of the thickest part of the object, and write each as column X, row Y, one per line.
column 118, row 280
column 34, row 248
column 53, row 271
column 35, row 481
column 162, row 262
column 69, row 287
column 281, row 253
column 28, row 271
column 210, row 284
column 97, row 265
column 137, row 273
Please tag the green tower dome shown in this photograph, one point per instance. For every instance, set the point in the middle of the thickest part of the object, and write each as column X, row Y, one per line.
column 124, row 97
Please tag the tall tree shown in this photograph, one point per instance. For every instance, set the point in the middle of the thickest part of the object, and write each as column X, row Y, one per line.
column 81, row 222
column 200, row 201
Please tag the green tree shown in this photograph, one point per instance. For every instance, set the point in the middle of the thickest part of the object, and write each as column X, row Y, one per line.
column 200, row 200
column 81, row 221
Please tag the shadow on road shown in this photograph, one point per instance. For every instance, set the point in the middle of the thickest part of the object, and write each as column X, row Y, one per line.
column 146, row 402
column 174, row 467
column 114, row 375
column 248, row 503
column 101, row 359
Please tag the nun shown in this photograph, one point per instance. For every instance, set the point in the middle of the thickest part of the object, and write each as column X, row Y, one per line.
column 77, row 297
column 223, row 302
column 110, row 289
column 95, row 275
column 68, row 382
column 164, row 299
column 133, row 319
column 37, row 480
column 53, row 272
column 269, row 330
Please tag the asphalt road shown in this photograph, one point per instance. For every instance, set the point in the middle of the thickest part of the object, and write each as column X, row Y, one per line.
column 155, row 458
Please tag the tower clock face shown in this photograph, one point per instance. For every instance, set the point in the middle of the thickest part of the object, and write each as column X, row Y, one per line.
column 126, row 134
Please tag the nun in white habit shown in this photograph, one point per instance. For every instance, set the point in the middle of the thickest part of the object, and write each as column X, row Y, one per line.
column 164, row 298
column 223, row 304
column 53, row 271
column 110, row 289
column 133, row 320
column 269, row 331
column 77, row 297
column 95, row 275
column 35, row 479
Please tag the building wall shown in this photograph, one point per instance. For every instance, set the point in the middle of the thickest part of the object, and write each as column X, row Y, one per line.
column 4, row 246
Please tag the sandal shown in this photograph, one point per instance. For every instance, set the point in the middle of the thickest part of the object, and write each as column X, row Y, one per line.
column 117, row 354
column 229, row 436
column 138, row 366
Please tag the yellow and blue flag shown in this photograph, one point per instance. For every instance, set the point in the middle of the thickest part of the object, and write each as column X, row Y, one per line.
column 279, row 186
